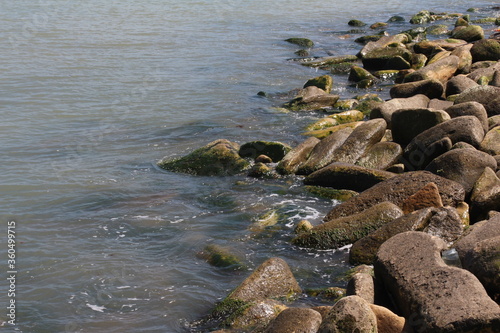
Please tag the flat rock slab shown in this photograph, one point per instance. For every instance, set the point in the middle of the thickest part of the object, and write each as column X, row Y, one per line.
column 433, row 296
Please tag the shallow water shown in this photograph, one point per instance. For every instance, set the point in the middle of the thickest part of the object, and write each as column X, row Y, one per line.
column 95, row 93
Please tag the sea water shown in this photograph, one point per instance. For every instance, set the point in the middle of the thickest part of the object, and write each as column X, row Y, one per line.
column 94, row 93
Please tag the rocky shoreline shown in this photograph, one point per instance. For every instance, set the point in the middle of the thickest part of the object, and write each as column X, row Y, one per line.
column 418, row 177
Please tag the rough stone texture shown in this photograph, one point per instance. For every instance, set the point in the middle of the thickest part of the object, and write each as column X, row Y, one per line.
column 324, row 152
column 275, row 150
column 387, row 321
column 386, row 109
column 462, row 165
column 218, row 158
column 441, row 70
column 362, row 285
column 301, row 320
column 489, row 96
column 486, row 49
column 493, row 121
column 446, row 224
column 258, row 315
column 359, row 73
column 346, row 230
column 311, row 98
column 365, row 250
column 433, row 296
column 427, row 196
column 381, row 155
column 297, row 156
column 485, row 195
column 470, row 109
column 478, row 232
column 347, row 177
column 491, row 141
column 463, row 53
column 429, row 144
column 408, row 123
column 439, row 104
column 323, row 82
column 347, row 116
column 396, row 190
column 458, row 84
column 429, row 88
column 350, row 314
column 382, row 43
column 469, row 33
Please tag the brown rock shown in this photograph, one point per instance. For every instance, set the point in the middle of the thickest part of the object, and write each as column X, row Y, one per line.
column 441, row 70
column 381, row 156
column 386, row 109
column 491, row 142
column 362, row 285
column 408, row 123
column 297, row 156
column 458, row 84
column 485, row 194
column 430, row 88
column 446, row 224
column 350, row 314
column 427, row 196
column 387, row 321
column 489, row 96
column 302, row 320
column 469, row 109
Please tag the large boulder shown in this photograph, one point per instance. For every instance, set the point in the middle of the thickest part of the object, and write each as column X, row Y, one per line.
column 294, row 319
column 441, row 70
column 469, row 33
column 489, row 96
column 486, row 49
column 350, row 314
column 361, row 284
column 390, row 57
column 485, row 195
column 462, row 165
column 408, row 123
column 381, row 155
column 297, row 156
column 433, row 296
column 396, row 190
column 458, row 84
column 218, row 158
column 491, row 141
column 346, row 230
column 469, row 109
column 439, row 139
column 347, row 177
column 275, row 150
column 386, row 109
column 430, row 88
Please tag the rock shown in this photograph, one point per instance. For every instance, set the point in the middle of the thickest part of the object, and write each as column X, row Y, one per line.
column 329, row 294
column 263, row 159
column 303, row 226
column 358, row 74
column 429, row 88
column 275, row 150
column 486, row 49
column 381, row 156
column 433, row 296
column 362, row 285
column 458, row 84
column 260, row 170
column 396, row 190
column 322, row 123
column 478, row 232
column 438, row 56
column 328, row 61
column 491, row 141
column 294, row 320
column 350, row 314
column 356, row 23
column 218, row 158
column 324, row 133
column 324, row 82
column 386, row 109
column 446, row 224
column 462, row 165
column 347, row 116
column 324, row 152
column 220, row 256
column 295, row 157
column 427, row 196
column 258, row 315
column 436, row 140
column 302, row 42
column 427, row 48
column 482, row 74
column 383, row 42
column 378, row 25
column 439, row 104
column 406, row 124
column 347, row 176
column 364, row 251
column 346, row 230
column 330, row 193
column 387, row 321
column 421, row 17
column 493, row 121
column 323, row 310
column 441, row 70
column 311, row 98
column 485, row 194
column 390, row 57
column 346, row 104
column 438, row 29
column 469, row 33
column 463, row 53
column 469, row 109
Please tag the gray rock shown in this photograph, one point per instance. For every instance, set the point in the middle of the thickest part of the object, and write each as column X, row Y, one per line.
column 301, row 320
column 430, row 88
column 458, row 84
column 408, row 123
column 485, row 194
column 439, row 104
column 441, row 70
column 396, row 190
column 491, row 141
column 462, row 165
column 347, row 177
column 489, row 96
column 386, row 109
column 470, row 109
column 493, row 121
column 381, row 155
column 382, row 43
column 433, row 296
column 297, row 156
column 390, row 57
column 350, row 314
column 362, row 285
column 311, row 98
column 478, row 232
column 258, row 315
column 446, row 224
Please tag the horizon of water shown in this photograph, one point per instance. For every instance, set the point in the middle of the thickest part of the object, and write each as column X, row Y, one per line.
column 95, row 93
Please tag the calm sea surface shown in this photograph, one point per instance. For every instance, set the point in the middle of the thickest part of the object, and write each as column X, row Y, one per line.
column 94, row 93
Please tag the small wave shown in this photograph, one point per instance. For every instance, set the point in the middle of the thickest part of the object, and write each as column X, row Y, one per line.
column 96, row 307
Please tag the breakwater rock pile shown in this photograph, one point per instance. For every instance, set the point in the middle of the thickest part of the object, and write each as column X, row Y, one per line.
column 419, row 180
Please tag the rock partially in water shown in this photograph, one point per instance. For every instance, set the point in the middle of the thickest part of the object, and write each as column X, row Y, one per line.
column 296, row 157
column 221, row 256
column 302, row 42
column 324, row 82
column 468, row 33
column 273, row 149
column 441, row 70
column 386, row 109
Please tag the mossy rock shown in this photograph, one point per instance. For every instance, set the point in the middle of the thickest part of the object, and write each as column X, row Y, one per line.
column 265, row 220
column 275, row 150
column 396, row 18
column 332, row 294
column 220, row 256
column 227, row 311
column 421, row 17
column 356, row 23
column 347, row 116
column 439, row 29
column 330, row 193
column 485, row 20
column 359, row 73
column 324, row 82
column 368, row 38
column 341, row 68
column 378, row 25
column 302, row 42
column 321, row 124
column 323, row 133
column 218, row 158
column 328, row 61
column 367, row 105
column 346, row 104
column 469, row 33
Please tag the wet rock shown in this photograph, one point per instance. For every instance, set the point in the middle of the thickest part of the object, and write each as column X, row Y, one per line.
column 387, row 321
column 406, row 124
column 381, row 156
column 390, row 57
column 469, row 33
column 329, row 294
column 386, row 109
column 295, row 157
column 437, row 140
column 330, row 193
column 324, row 152
column 446, row 224
column 485, row 194
column 218, row 158
column 359, row 73
column 294, row 320
column 438, row 29
column 469, row 109
column 220, row 256
column 322, row 123
column 486, row 49
column 491, row 142
column 362, row 285
column 429, row 88
column 441, row 70
column 356, row 23
column 324, row 82
column 383, row 43
column 433, row 296
column 364, row 251
column 302, row 42
column 462, row 165
column 275, row 150
column 418, row 61
column 458, row 84
column 263, row 159
column 350, row 314
column 396, row 190
column 329, row 61
column 346, row 104
column 260, row 170
column 311, row 98
column 347, row 116
column 258, row 315
column 345, row 230
column 427, row 196
column 324, row 133
column 347, row 176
